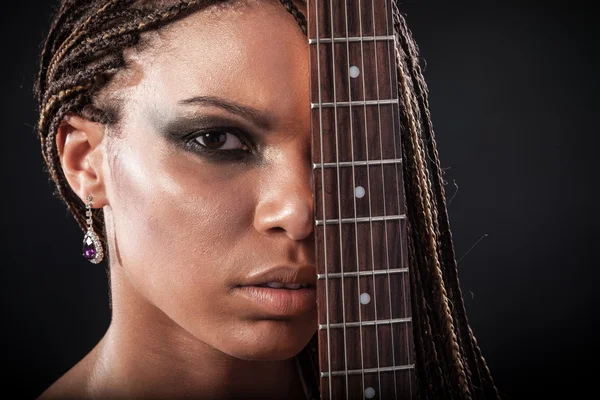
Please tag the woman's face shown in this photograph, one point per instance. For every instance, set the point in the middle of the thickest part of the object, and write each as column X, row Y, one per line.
column 189, row 226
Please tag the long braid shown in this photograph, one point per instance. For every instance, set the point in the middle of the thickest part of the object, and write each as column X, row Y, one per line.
column 428, row 245
column 470, row 354
column 449, row 327
column 448, row 248
column 428, row 368
column 429, row 371
column 444, row 248
column 491, row 386
column 418, row 113
column 475, row 357
column 438, row 312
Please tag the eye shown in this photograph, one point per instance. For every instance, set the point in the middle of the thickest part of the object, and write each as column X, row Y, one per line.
column 220, row 140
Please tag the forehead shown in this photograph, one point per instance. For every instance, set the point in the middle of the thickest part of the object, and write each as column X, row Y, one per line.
column 253, row 52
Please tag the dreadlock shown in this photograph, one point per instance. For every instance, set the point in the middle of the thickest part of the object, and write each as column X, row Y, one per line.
column 84, row 49
column 451, row 364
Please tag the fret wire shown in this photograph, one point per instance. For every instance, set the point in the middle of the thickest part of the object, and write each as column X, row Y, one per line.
column 354, row 103
column 363, row 273
column 365, row 323
column 369, row 370
column 360, row 219
column 351, row 39
column 360, row 163
column 323, row 195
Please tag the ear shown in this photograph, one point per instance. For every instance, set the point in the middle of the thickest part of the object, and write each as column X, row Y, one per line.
column 82, row 157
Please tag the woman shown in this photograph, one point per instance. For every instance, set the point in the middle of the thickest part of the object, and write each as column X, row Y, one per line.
column 178, row 134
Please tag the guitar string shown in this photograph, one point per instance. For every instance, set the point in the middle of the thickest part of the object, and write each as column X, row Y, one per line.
column 388, row 277
column 323, row 196
column 392, row 70
column 339, row 201
column 362, row 52
column 360, row 328
column 387, row 244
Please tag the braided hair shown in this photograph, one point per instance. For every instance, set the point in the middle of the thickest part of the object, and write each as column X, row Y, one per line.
column 84, row 50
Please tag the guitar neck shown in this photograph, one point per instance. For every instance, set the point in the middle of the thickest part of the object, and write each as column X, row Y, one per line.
column 363, row 293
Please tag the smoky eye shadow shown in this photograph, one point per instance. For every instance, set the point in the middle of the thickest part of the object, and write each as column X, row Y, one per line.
column 182, row 131
column 183, row 127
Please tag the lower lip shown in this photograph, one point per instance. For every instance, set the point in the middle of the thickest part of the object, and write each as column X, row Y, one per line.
column 281, row 302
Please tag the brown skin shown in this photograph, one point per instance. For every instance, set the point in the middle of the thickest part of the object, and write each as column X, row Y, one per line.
column 183, row 229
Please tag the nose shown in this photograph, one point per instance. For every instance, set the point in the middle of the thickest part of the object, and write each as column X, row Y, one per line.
column 286, row 203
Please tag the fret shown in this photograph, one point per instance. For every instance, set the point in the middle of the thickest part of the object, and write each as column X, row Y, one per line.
column 357, row 163
column 359, row 73
column 368, row 370
column 366, row 296
column 370, row 334
column 363, row 133
column 365, row 323
column 351, row 39
column 354, row 103
column 362, row 219
column 360, row 191
column 362, row 273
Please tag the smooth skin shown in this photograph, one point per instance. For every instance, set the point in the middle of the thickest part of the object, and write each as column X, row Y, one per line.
column 183, row 229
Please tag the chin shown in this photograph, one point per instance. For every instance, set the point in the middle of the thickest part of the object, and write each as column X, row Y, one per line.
column 271, row 340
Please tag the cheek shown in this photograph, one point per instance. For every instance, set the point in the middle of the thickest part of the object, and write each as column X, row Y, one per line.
column 182, row 233
column 175, row 226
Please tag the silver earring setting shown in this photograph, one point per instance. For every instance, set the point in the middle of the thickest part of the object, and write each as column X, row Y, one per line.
column 92, row 247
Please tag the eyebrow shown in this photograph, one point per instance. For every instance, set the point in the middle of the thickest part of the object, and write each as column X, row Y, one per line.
column 249, row 113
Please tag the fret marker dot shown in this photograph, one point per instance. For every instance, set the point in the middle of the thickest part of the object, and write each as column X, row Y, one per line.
column 369, row 393
column 365, row 298
column 359, row 192
column 354, row 71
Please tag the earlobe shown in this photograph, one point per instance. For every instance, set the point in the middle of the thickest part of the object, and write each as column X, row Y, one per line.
column 82, row 154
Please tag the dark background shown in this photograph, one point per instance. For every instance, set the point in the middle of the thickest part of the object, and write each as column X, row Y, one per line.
column 514, row 93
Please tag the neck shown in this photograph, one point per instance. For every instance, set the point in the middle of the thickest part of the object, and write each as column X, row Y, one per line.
column 145, row 354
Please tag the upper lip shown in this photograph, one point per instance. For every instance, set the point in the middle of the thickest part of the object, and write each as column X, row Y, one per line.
column 286, row 274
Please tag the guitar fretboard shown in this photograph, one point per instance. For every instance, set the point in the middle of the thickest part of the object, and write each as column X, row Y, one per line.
column 365, row 325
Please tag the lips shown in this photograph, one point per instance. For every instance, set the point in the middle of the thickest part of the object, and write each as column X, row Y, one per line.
column 279, row 285
column 278, row 303
column 283, row 274
column 283, row 291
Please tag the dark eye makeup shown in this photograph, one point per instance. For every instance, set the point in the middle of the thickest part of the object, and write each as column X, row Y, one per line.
column 189, row 133
column 193, row 143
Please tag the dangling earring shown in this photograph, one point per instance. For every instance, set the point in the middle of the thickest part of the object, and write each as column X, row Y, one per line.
column 92, row 248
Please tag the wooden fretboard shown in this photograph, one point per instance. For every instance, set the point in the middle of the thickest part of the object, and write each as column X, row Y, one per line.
column 365, row 326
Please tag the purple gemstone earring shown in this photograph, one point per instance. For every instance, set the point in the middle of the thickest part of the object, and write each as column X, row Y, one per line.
column 92, row 248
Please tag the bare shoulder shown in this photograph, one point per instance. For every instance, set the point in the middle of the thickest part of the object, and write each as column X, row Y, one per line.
column 76, row 382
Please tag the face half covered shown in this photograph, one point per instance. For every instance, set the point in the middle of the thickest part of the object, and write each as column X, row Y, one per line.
column 209, row 181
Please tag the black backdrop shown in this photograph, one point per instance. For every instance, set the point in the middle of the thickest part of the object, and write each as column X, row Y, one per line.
column 513, row 94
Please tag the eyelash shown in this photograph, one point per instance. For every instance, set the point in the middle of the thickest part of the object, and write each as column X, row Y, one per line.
column 220, row 155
